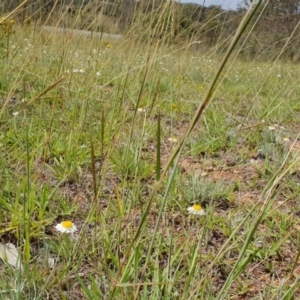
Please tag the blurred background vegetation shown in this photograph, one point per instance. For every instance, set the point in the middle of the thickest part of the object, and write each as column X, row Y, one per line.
column 276, row 28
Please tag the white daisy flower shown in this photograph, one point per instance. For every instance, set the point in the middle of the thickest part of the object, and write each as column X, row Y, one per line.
column 196, row 210
column 172, row 139
column 141, row 109
column 51, row 262
column 78, row 71
column 66, row 227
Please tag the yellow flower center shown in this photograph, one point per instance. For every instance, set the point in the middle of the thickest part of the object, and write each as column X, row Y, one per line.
column 67, row 224
column 197, row 207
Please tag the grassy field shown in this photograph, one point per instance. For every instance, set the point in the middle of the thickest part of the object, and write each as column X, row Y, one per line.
column 87, row 127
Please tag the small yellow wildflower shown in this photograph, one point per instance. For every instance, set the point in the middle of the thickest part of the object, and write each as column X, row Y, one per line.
column 6, row 26
column 175, row 107
column 107, row 44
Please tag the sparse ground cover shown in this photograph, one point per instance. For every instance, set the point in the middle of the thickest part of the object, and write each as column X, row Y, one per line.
column 86, row 125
